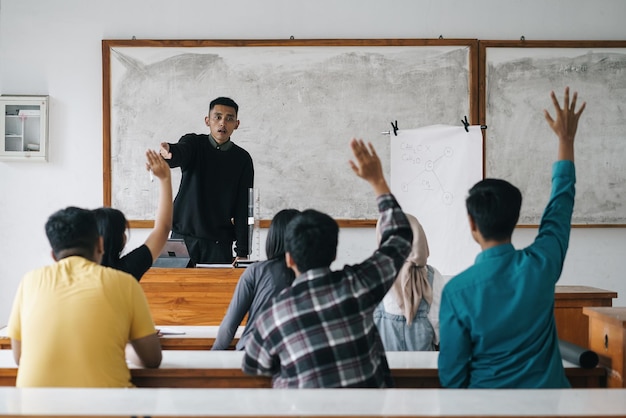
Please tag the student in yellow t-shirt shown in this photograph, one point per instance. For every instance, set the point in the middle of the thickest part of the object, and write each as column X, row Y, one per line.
column 71, row 321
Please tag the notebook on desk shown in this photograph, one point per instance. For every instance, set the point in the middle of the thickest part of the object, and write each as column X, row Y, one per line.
column 174, row 255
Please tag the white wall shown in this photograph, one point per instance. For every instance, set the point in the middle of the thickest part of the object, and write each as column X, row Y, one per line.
column 54, row 48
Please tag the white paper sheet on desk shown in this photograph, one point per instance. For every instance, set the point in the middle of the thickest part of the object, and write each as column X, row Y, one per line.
column 167, row 331
column 432, row 169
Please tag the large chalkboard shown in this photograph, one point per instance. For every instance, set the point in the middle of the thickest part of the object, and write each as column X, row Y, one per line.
column 519, row 145
column 301, row 101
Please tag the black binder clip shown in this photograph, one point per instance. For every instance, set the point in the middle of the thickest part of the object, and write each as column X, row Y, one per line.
column 395, row 128
column 465, row 124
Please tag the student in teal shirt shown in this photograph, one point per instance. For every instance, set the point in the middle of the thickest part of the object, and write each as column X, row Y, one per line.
column 497, row 325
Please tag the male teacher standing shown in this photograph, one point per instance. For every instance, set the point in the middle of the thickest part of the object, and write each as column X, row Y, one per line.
column 211, row 207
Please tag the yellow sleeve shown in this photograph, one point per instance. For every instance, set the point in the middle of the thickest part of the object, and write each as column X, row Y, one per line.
column 142, row 324
column 14, row 328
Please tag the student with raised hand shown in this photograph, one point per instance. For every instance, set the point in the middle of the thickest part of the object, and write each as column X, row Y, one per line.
column 497, row 317
column 408, row 317
column 258, row 284
column 320, row 332
column 112, row 225
column 71, row 321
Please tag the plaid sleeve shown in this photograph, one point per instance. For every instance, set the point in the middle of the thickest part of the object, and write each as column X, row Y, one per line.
column 257, row 359
column 373, row 277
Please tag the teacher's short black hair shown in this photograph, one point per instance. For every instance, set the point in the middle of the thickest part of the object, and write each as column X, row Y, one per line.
column 224, row 101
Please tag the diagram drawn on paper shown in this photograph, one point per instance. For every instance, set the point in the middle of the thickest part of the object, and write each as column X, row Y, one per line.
column 428, row 162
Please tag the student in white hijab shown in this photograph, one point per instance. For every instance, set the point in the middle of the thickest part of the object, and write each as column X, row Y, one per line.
column 408, row 317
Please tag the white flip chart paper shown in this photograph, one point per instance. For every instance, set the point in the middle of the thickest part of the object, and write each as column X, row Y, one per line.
column 432, row 169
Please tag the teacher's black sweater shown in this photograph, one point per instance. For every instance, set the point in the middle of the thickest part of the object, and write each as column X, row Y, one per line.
column 213, row 190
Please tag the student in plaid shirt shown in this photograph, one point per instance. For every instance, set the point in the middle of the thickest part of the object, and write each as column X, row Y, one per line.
column 320, row 333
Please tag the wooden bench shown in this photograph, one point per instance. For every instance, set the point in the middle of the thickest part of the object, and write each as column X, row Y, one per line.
column 222, row 369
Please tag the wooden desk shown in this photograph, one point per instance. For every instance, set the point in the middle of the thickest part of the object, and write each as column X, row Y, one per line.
column 607, row 337
column 433, row 403
column 391, row 403
column 201, row 297
column 195, row 337
column 222, row 369
column 571, row 324
column 5, row 341
column 194, row 296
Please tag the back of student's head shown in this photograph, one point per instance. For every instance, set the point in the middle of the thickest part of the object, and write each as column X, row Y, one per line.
column 311, row 240
column 72, row 228
column 275, row 241
column 494, row 206
column 112, row 226
column 224, row 101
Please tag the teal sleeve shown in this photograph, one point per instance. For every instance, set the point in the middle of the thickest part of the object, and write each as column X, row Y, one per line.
column 554, row 230
column 455, row 347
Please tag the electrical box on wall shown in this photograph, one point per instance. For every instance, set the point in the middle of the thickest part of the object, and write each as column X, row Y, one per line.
column 23, row 128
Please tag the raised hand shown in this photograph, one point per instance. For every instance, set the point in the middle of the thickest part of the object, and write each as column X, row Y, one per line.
column 368, row 166
column 157, row 164
column 565, row 123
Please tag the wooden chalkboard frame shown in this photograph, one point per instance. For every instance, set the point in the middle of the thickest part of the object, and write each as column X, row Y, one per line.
column 485, row 46
column 107, row 45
